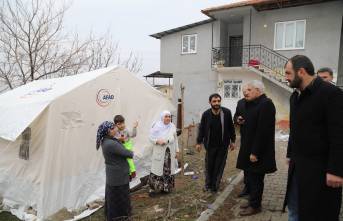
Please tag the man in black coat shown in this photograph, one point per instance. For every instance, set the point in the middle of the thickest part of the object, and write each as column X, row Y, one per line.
column 217, row 134
column 326, row 74
column 257, row 153
column 315, row 147
column 238, row 119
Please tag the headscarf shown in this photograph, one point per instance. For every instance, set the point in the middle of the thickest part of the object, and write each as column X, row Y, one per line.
column 159, row 129
column 102, row 132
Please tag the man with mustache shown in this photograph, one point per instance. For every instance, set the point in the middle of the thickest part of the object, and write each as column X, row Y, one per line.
column 326, row 74
column 217, row 134
column 315, row 147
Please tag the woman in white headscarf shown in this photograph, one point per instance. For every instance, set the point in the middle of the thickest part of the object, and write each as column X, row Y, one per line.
column 164, row 157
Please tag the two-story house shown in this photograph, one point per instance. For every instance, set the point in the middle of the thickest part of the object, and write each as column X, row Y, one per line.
column 250, row 40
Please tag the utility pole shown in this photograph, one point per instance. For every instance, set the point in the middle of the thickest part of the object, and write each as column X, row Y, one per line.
column 182, row 88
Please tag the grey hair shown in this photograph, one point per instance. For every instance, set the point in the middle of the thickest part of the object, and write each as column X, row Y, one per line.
column 257, row 84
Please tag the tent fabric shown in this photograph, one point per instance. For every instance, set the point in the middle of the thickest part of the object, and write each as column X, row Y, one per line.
column 33, row 98
column 63, row 168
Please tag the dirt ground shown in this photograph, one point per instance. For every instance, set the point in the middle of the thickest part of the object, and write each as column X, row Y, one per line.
column 225, row 212
column 185, row 203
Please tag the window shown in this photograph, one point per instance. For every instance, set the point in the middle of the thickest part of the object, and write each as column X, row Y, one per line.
column 189, row 44
column 232, row 88
column 289, row 35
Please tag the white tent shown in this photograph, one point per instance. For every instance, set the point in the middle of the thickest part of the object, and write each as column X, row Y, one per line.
column 48, row 158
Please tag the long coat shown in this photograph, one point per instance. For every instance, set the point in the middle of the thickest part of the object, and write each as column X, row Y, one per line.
column 240, row 110
column 159, row 151
column 315, row 148
column 258, row 136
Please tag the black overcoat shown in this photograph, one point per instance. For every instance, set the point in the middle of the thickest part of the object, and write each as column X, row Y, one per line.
column 315, row 148
column 240, row 110
column 258, row 136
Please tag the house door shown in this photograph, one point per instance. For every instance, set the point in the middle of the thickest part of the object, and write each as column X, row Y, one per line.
column 231, row 93
column 236, row 48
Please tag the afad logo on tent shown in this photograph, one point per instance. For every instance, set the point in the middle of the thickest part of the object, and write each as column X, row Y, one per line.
column 104, row 97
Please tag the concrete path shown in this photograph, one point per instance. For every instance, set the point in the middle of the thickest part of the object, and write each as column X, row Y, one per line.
column 273, row 196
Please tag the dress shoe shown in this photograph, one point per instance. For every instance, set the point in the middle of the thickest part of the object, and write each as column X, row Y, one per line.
column 244, row 205
column 244, row 193
column 153, row 194
column 205, row 189
column 250, row 211
column 214, row 190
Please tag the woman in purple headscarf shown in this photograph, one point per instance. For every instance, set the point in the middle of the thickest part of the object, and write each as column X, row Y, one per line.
column 117, row 192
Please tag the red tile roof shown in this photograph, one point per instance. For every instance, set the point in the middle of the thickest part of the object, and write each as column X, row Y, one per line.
column 263, row 4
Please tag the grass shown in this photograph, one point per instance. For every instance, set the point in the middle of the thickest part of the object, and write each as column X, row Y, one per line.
column 6, row 216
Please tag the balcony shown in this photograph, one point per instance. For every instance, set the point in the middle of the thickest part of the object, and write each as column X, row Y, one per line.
column 258, row 56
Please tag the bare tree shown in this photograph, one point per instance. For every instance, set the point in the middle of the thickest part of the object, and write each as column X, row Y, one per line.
column 7, row 76
column 33, row 45
column 103, row 52
column 133, row 63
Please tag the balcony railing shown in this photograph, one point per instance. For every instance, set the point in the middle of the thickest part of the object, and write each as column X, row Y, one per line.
column 265, row 59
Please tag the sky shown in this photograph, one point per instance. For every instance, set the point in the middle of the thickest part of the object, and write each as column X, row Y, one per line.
column 130, row 22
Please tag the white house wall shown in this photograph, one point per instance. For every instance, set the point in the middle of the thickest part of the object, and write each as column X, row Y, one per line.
column 235, row 29
column 192, row 70
column 223, row 34
column 279, row 95
column 235, row 73
column 323, row 30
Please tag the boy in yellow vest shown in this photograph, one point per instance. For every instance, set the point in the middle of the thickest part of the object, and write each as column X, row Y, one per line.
column 125, row 136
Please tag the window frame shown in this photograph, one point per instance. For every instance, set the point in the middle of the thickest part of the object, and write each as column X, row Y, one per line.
column 294, row 35
column 189, row 43
column 232, row 82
